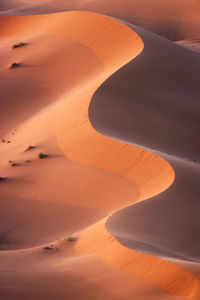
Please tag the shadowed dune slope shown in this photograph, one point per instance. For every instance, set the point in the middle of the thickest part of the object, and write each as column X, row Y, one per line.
column 162, row 107
column 164, row 117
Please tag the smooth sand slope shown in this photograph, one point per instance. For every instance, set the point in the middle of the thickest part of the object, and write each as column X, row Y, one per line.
column 171, row 131
column 95, row 263
column 170, row 75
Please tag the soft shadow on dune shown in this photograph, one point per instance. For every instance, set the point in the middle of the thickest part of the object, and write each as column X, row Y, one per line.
column 46, row 199
column 163, row 117
column 162, row 90
column 34, row 222
column 50, row 65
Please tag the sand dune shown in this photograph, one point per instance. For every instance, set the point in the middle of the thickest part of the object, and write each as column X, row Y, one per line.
column 140, row 126
column 170, row 80
column 22, row 233
column 120, row 174
column 36, row 83
column 174, row 19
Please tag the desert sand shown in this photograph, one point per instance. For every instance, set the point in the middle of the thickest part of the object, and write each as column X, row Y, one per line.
column 98, row 97
column 174, row 19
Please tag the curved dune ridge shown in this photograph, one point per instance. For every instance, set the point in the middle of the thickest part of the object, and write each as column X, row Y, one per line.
column 176, row 143
column 107, row 45
column 174, row 19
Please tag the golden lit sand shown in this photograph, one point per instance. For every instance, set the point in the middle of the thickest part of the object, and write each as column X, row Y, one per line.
column 104, row 46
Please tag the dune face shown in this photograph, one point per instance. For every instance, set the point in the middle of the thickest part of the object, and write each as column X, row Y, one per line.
column 164, row 89
column 174, row 138
column 174, row 19
column 30, row 82
column 39, row 215
column 98, row 114
column 20, row 232
column 176, row 212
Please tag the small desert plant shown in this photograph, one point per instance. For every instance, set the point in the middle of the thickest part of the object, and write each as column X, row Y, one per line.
column 69, row 238
column 42, row 155
column 30, row 147
column 3, row 140
column 12, row 163
column 14, row 65
column 8, row 142
column 21, row 44
column 2, row 178
column 27, row 161
column 47, row 248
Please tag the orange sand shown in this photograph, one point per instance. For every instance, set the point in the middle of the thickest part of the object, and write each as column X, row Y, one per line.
column 108, row 45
